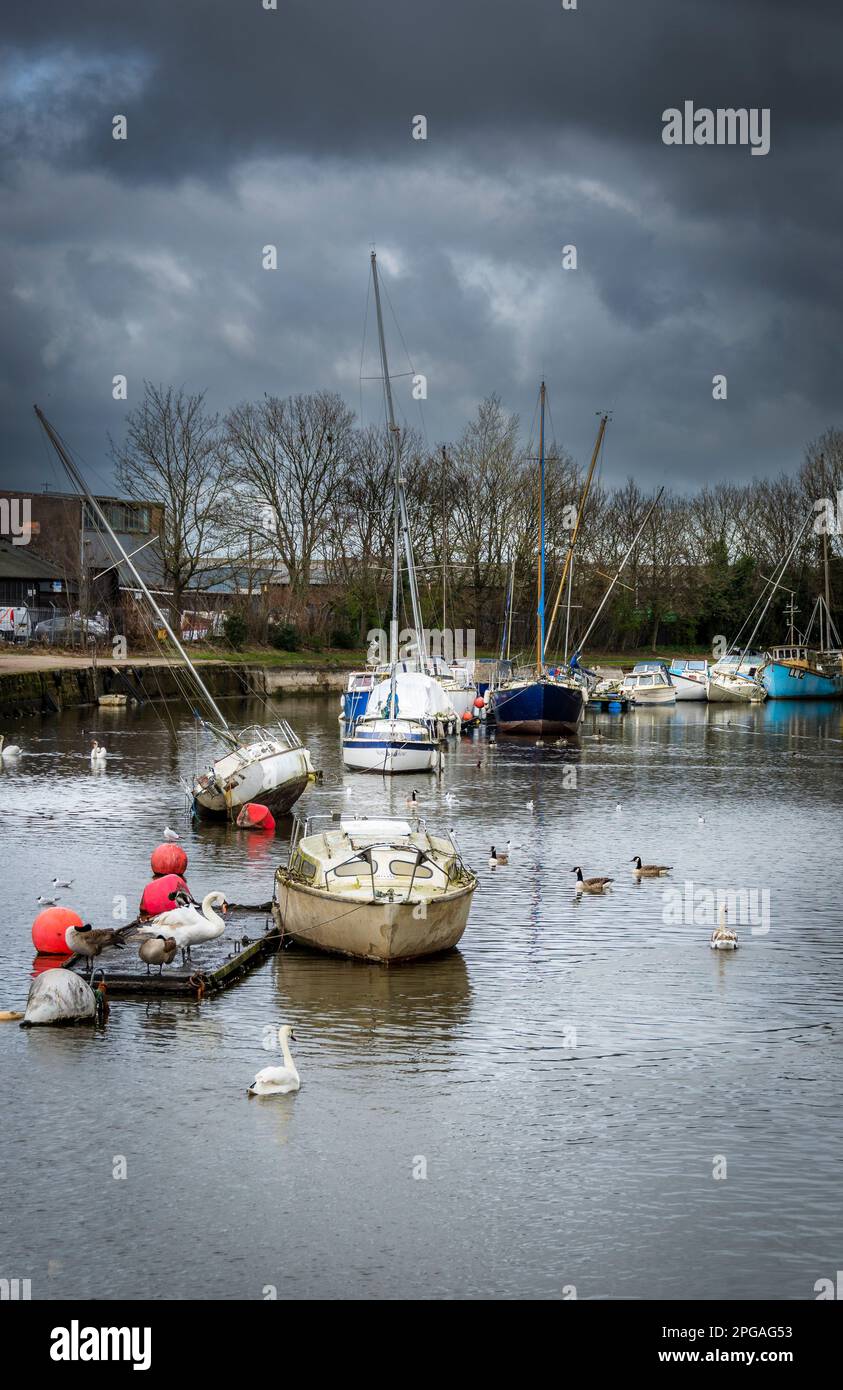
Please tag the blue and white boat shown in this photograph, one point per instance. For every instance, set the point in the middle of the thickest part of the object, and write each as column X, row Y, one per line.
column 795, row 670
column 355, row 697
column 548, row 700
column 406, row 713
column 797, row 673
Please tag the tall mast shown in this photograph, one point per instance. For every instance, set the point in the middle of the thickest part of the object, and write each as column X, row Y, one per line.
column 401, row 520
column 575, row 533
column 620, row 569
column 540, row 603
column 444, row 540
column 77, row 479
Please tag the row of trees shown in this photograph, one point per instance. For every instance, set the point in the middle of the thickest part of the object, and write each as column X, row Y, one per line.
column 292, row 499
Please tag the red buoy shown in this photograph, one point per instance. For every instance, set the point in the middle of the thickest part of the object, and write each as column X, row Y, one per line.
column 168, row 859
column 255, row 816
column 49, row 928
column 466, row 714
column 156, row 895
column 479, row 702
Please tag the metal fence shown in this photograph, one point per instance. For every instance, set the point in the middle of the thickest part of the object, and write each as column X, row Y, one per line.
column 24, row 626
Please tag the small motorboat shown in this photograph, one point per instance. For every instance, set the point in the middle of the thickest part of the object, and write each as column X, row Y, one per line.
column 384, row 889
column 649, row 683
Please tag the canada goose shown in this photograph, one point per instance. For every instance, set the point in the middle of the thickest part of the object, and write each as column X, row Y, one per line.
column 171, row 834
column 186, row 925
column 649, row 870
column 98, row 753
column 589, row 885
column 278, row 1081
column 500, row 856
column 724, row 937
column 8, row 750
column 85, row 941
column 412, row 799
column 157, row 950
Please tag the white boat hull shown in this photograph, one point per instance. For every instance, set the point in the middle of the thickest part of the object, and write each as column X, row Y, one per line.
column 374, row 931
column 276, row 780
column 686, row 688
column 732, row 692
column 387, row 747
column 654, row 695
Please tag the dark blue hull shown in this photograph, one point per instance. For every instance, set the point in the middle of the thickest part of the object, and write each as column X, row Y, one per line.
column 542, row 707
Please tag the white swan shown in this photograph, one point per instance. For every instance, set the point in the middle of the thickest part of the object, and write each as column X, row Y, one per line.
column 724, row 937
column 98, row 753
column 11, row 750
column 186, row 926
column 278, row 1081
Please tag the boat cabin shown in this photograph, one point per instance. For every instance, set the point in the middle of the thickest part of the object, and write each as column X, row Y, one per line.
column 384, row 858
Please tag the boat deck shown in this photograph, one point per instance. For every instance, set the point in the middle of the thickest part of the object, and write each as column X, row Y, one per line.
column 216, row 964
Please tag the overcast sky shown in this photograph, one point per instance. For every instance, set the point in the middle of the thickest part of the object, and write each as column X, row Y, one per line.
column 294, row 127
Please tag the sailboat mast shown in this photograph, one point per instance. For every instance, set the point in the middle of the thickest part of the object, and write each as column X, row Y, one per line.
column 619, row 570
column 444, row 540
column 402, row 520
column 77, row 479
column 586, row 488
column 541, row 573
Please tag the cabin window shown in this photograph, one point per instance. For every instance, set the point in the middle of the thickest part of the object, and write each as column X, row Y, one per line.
column 305, row 867
column 352, row 868
column 402, row 868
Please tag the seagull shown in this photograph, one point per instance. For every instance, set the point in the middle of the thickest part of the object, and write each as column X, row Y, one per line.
column 450, row 799
column 701, row 820
column 171, row 834
column 63, row 882
column 618, row 809
column 531, row 806
column 46, row 902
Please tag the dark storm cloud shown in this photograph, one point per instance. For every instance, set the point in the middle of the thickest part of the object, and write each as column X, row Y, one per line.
column 293, row 127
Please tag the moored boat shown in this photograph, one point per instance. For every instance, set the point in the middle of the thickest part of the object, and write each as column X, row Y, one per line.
column 731, row 679
column 649, row 683
column 381, row 890
column 689, row 678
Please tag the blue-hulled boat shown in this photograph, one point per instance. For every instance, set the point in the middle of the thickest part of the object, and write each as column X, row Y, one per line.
column 797, row 673
column 552, row 701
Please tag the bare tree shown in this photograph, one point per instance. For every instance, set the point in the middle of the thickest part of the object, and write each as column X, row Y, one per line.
column 289, row 456
column 175, row 452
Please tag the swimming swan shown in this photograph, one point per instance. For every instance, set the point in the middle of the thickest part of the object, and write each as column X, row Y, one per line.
column 278, row 1081
column 724, row 937
column 10, row 750
column 98, row 753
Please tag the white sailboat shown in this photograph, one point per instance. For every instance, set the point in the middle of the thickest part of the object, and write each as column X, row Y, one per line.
column 397, row 733
column 267, row 765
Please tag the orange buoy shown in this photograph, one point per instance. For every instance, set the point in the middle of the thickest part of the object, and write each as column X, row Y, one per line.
column 466, row 714
column 156, row 895
column 479, row 702
column 168, row 859
column 256, row 816
column 49, row 928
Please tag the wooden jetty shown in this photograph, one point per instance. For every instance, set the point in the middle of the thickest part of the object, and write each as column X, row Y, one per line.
column 216, row 965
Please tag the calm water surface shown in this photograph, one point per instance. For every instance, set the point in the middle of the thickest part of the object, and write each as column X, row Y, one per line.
column 547, row 1164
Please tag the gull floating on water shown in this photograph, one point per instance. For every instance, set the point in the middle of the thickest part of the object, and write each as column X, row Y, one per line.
column 171, row 834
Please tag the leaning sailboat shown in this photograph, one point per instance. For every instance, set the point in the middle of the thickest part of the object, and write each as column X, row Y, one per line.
column 269, row 765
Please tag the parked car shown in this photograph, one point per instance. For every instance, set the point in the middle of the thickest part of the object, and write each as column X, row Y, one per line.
column 64, row 629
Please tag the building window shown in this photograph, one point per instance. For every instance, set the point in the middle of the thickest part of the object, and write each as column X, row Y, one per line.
column 121, row 516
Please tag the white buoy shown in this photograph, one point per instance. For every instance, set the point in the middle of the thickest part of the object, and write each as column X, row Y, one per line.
column 59, row 996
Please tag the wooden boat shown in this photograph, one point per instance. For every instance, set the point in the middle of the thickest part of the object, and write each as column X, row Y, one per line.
column 382, row 890
column 795, row 671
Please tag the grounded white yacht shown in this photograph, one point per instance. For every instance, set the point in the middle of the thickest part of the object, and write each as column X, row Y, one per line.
column 690, row 678
column 382, row 890
column 731, row 679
